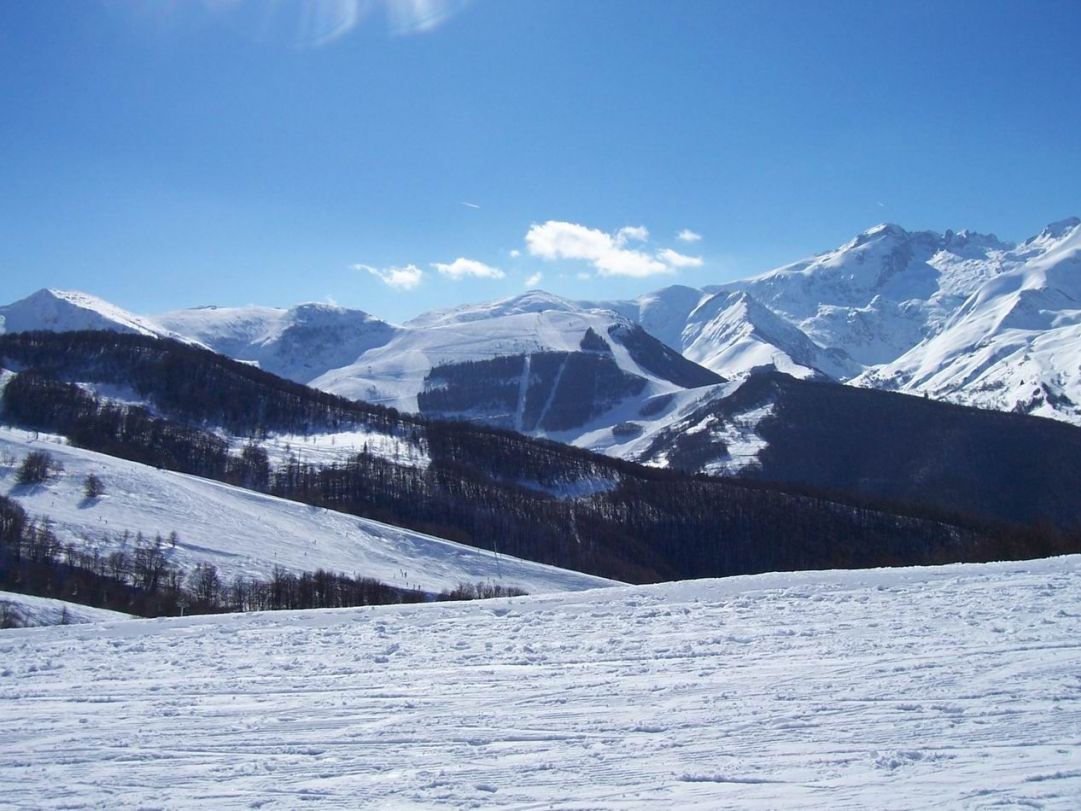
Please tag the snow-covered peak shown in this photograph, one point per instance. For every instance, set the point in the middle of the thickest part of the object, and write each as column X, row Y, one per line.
column 1058, row 230
column 966, row 240
column 1048, row 240
column 532, row 301
column 225, row 326
column 323, row 309
column 71, row 310
column 394, row 374
column 301, row 343
column 1013, row 343
column 1052, row 265
column 885, row 229
column 881, row 293
column 215, row 324
column 734, row 334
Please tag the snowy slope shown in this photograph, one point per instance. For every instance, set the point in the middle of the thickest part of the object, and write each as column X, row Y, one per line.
column 594, row 360
column 247, row 533
column 879, row 294
column 959, row 316
column 300, row 343
column 955, row 687
column 629, row 431
column 859, row 305
column 354, row 355
column 394, row 374
column 734, row 332
column 730, row 333
column 662, row 313
column 533, row 302
column 1015, row 343
column 25, row 611
column 69, row 310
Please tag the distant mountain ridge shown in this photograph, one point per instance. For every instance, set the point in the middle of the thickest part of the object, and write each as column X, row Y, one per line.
column 959, row 316
column 300, row 343
column 534, row 363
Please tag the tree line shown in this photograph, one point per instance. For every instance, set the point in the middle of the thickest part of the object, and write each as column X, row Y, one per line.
column 494, row 489
column 194, row 384
column 138, row 577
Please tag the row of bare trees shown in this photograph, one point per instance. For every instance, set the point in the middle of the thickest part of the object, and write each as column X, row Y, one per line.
column 139, row 577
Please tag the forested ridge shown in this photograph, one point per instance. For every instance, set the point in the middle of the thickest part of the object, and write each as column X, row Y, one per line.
column 901, row 449
column 485, row 487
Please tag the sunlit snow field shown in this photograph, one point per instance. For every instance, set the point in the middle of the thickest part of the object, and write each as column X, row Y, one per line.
column 25, row 610
column 949, row 687
column 246, row 533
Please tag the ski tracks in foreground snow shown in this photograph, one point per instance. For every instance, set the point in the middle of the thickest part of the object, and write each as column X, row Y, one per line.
column 915, row 688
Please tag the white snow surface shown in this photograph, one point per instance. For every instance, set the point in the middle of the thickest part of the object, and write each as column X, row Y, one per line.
column 247, row 533
column 300, row 343
column 662, row 313
column 71, row 310
column 337, row 447
column 29, row 611
column 951, row 687
column 1015, row 343
column 880, row 293
column 734, row 332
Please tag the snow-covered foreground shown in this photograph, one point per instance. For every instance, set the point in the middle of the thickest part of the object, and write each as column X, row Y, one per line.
column 951, row 687
column 25, row 611
column 247, row 533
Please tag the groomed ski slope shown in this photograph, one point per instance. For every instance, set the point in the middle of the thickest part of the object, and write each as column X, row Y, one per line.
column 247, row 533
column 952, row 687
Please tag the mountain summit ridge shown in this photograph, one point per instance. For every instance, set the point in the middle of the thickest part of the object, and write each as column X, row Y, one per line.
column 955, row 315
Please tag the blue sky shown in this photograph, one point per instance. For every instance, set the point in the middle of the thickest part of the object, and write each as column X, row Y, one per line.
column 167, row 153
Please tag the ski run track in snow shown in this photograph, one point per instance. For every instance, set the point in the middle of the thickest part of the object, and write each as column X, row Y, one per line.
column 950, row 687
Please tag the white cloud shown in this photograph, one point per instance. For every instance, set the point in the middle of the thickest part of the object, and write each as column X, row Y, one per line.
column 515, row 253
column 632, row 233
column 403, row 278
column 678, row 260
column 583, row 277
column 420, row 16
column 566, row 240
column 469, row 205
column 300, row 24
column 306, row 23
column 462, row 267
column 534, row 280
column 687, row 235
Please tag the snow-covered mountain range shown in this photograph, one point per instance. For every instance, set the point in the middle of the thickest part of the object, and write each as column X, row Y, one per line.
column 958, row 316
column 535, row 363
column 962, row 316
